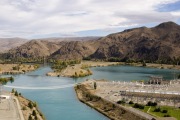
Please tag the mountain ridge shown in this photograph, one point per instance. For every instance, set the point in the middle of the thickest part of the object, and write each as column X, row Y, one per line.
column 161, row 42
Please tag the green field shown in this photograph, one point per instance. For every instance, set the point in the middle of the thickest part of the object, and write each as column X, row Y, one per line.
column 173, row 112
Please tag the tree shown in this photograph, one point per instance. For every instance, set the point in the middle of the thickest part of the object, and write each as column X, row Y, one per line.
column 13, row 90
column 34, row 113
column 35, row 118
column 95, row 85
column 30, row 105
column 144, row 63
column 30, row 118
column 179, row 76
column 16, row 93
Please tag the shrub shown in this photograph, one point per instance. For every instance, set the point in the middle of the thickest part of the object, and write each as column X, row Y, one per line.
column 157, row 109
column 131, row 102
column 154, row 104
column 16, row 93
column 35, row 118
column 34, row 113
column 95, row 85
column 121, row 102
column 30, row 118
column 141, row 106
column 24, row 108
column 13, row 90
column 164, row 111
column 167, row 116
column 30, row 105
column 149, row 103
column 136, row 105
column 35, row 104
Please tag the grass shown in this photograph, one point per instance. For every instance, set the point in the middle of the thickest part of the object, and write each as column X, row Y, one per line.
column 173, row 112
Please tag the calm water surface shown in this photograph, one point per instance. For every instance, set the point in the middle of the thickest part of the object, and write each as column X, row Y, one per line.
column 62, row 104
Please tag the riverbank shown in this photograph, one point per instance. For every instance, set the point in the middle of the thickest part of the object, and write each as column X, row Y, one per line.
column 81, row 70
column 16, row 68
column 111, row 98
column 87, row 94
column 29, row 109
column 153, row 65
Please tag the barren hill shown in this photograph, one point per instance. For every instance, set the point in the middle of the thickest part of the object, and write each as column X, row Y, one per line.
column 158, row 43
column 161, row 42
column 9, row 43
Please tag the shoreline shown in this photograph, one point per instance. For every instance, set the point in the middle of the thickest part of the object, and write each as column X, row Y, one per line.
column 26, row 110
column 80, row 70
column 110, row 109
column 83, row 69
column 13, row 69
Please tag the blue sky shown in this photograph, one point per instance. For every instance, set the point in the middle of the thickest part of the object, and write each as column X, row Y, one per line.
column 72, row 18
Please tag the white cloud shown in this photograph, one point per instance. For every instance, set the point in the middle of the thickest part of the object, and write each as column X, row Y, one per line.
column 26, row 18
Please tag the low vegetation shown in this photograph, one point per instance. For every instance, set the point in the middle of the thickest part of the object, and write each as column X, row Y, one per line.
column 5, row 80
column 153, row 109
column 59, row 65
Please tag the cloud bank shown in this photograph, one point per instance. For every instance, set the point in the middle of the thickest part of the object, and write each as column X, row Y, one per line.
column 27, row 18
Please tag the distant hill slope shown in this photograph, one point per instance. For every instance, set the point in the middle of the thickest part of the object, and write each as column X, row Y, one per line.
column 161, row 42
column 158, row 43
column 9, row 43
column 45, row 47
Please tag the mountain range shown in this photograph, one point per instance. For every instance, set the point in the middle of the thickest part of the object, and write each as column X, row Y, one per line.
column 161, row 42
column 9, row 43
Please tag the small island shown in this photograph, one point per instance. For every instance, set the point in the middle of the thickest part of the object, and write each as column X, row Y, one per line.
column 77, row 69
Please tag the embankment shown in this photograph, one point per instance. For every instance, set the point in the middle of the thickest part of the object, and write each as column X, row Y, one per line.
column 30, row 109
column 112, row 110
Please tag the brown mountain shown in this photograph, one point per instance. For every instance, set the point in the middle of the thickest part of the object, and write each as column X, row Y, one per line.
column 45, row 47
column 75, row 50
column 9, row 43
column 161, row 42
column 158, row 43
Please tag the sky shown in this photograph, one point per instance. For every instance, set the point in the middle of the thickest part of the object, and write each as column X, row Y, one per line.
column 74, row 18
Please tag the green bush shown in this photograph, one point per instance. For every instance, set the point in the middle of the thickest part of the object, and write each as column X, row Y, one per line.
column 34, row 113
column 131, row 102
column 24, row 108
column 121, row 102
column 167, row 116
column 16, row 93
column 164, row 111
column 30, row 118
column 157, row 109
column 30, row 105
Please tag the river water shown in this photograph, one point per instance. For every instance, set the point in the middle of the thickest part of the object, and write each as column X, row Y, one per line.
column 56, row 97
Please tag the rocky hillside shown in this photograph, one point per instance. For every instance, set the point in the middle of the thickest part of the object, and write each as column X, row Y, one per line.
column 161, row 42
column 56, row 47
column 8, row 43
column 158, row 43
column 34, row 48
